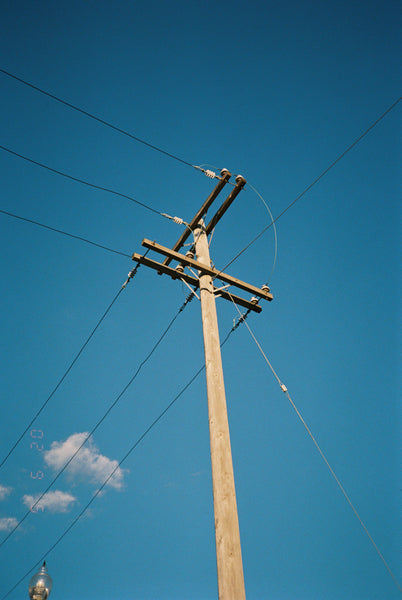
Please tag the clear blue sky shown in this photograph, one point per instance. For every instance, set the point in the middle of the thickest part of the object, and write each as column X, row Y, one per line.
column 274, row 91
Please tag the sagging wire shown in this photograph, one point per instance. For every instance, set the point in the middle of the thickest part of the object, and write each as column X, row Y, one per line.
column 316, row 180
column 285, row 391
column 273, row 225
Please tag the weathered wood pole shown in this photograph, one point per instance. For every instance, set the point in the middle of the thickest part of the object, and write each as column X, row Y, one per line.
column 227, row 535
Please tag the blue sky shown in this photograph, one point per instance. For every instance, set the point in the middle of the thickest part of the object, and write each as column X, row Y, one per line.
column 275, row 91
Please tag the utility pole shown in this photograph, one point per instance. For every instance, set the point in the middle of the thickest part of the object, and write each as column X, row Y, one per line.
column 227, row 535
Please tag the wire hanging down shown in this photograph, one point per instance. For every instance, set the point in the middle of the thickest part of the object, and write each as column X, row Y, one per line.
column 133, row 447
column 100, row 421
column 273, row 225
column 285, row 390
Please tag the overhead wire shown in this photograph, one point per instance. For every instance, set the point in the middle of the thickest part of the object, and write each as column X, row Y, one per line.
column 274, row 226
column 71, row 235
column 100, row 421
column 235, row 258
column 286, row 392
column 205, row 171
column 131, row 275
column 132, row 448
column 83, row 181
column 316, row 180
column 271, row 223
column 66, row 372
column 95, row 118
column 273, row 220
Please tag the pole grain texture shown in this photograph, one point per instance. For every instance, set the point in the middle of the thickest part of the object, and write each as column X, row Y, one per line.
column 227, row 535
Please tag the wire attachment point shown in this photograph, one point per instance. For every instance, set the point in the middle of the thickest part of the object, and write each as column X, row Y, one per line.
column 177, row 220
column 130, row 275
column 208, row 173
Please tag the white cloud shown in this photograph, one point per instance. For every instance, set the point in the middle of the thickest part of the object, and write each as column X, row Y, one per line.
column 56, row 501
column 8, row 523
column 89, row 464
column 4, row 491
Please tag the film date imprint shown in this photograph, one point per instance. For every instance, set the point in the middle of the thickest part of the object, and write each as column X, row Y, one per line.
column 36, row 444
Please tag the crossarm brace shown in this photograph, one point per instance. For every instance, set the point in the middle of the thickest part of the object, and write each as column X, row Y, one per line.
column 185, row 260
column 161, row 268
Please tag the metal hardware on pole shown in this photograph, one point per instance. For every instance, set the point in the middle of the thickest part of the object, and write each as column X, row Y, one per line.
column 227, row 534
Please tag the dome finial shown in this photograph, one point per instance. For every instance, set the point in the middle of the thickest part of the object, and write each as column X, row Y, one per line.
column 40, row 584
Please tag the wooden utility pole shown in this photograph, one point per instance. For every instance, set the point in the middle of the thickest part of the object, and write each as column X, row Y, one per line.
column 227, row 536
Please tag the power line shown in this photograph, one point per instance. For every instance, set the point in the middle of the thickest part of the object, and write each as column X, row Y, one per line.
column 89, row 184
column 96, row 494
column 61, row 380
column 274, row 226
column 285, row 390
column 100, row 421
column 71, row 235
column 352, row 145
column 133, row 447
column 98, row 119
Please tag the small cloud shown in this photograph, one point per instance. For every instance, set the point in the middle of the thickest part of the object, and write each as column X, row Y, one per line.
column 88, row 464
column 4, row 491
column 56, row 502
column 8, row 523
